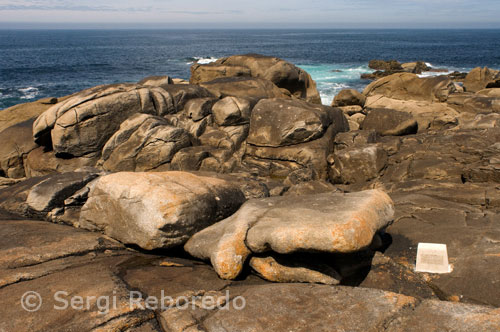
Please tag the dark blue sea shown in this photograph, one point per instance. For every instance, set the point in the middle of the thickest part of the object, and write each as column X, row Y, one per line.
column 42, row 63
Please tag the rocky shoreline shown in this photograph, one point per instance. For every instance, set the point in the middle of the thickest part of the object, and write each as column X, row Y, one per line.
column 240, row 182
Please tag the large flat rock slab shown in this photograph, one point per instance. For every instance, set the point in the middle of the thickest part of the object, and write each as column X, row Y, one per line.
column 157, row 210
column 456, row 217
column 330, row 222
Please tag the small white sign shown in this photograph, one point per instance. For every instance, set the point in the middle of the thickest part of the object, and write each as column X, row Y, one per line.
column 432, row 258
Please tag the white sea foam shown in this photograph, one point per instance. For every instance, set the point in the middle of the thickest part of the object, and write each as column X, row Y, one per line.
column 428, row 64
column 202, row 60
column 29, row 92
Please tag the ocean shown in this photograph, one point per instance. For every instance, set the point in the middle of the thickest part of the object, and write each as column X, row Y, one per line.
column 36, row 64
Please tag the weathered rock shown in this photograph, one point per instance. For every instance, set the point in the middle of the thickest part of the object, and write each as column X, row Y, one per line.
column 301, row 308
column 406, row 86
column 355, row 139
column 358, row 118
column 51, row 192
column 245, row 87
column 280, row 161
column 143, row 142
column 13, row 198
column 157, row 210
column 444, row 316
column 280, row 269
column 357, row 165
column 199, row 108
column 384, row 273
column 311, row 188
column 390, row 122
column 156, row 80
column 492, row 92
column 282, row 73
column 191, row 158
column 353, row 125
column 24, row 112
column 456, row 215
column 278, row 122
column 415, row 67
column 481, row 121
column 329, row 222
column 351, row 110
column 385, row 65
column 300, row 136
column 479, row 78
column 349, row 97
column 182, row 93
column 301, row 175
column 232, row 111
column 84, row 123
column 429, row 115
column 40, row 162
column 7, row 182
column 17, row 142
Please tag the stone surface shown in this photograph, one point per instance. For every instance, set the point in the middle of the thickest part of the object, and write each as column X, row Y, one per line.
column 24, row 112
column 358, row 165
column 245, row 87
column 301, row 136
column 51, row 192
column 292, row 308
column 83, row 123
column 283, row 270
column 143, row 142
column 406, row 86
column 385, row 65
column 156, row 80
column 278, row 122
column 349, row 97
column 288, row 224
column 40, row 162
column 282, row 73
column 442, row 316
column 232, row 111
column 17, row 142
column 429, row 115
column 390, row 122
column 157, row 210
column 13, row 198
column 479, row 78
column 198, row 108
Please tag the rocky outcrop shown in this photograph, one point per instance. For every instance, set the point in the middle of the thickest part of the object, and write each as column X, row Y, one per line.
column 385, row 65
column 406, row 86
column 143, row 142
column 156, row 80
column 47, row 257
column 415, row 67
column 288, row 135
column 17, row 142
column 245, row 87
column 349, row 97
column 331, row 222
column 83, row 124
column 24, row 112
column 282, row 73
column 317, row 209
column 429, row 115
column 390, row 122
column 481, row 78
column 51, row 193
column 156, row 210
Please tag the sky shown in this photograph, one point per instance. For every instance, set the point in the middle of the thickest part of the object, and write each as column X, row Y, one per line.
column 250, row 14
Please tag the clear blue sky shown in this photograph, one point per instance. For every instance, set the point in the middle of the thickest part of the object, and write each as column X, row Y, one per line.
column 251, row 13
